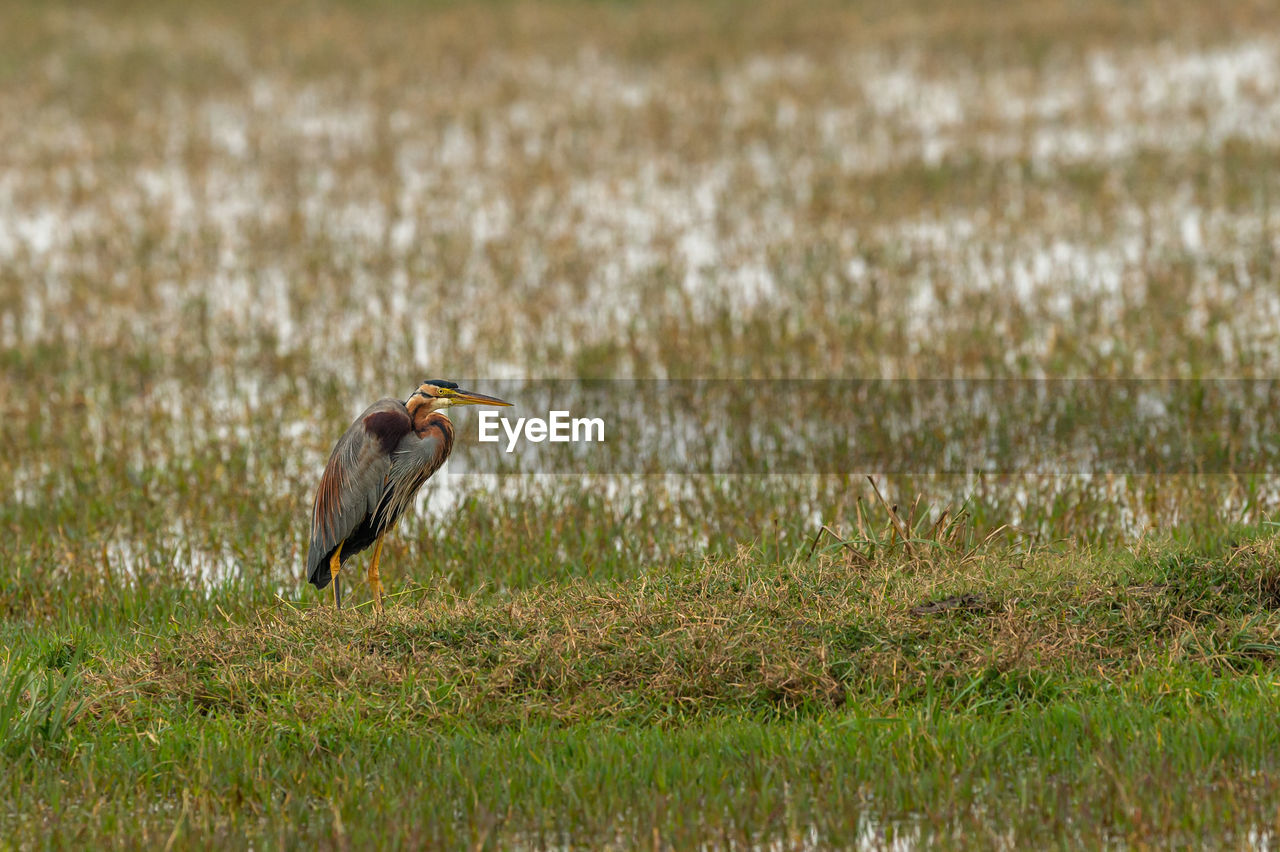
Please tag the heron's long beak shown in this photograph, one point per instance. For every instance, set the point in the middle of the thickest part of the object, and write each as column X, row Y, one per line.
column 466, row 397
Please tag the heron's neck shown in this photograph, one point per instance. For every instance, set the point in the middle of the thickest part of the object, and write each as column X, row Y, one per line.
column 424, row 415
column 419, row 407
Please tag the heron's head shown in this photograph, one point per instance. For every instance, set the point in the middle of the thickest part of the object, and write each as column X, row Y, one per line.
column 436, row 394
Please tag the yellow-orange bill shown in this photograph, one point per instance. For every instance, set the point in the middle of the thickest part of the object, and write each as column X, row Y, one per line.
column 466, row 397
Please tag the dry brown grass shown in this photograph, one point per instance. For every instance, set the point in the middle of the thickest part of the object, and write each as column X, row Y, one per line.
column 727, row 636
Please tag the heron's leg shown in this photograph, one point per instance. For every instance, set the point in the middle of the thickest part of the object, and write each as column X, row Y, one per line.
column 335, row 565
column 375, row 581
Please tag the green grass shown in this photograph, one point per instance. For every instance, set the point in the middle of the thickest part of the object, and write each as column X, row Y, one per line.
column 1101, row 767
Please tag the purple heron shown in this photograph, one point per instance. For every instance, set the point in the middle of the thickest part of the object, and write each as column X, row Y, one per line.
column 375, row 469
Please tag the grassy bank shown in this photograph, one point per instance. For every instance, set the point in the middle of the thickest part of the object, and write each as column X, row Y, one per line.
column 965, row 697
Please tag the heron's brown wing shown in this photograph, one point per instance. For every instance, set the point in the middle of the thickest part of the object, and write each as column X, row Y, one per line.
column 412, row 464
column 353, row 481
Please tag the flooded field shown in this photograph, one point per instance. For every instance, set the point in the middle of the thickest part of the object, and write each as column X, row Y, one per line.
column 227, row 228
column 221, row 248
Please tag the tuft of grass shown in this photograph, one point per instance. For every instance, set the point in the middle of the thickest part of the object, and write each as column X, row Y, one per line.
column 38, row 703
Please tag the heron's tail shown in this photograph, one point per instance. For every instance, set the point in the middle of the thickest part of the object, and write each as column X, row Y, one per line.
column 320, row 564
column 318, row 572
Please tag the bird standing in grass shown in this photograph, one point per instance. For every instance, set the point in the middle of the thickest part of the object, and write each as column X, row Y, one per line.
column 376, row 468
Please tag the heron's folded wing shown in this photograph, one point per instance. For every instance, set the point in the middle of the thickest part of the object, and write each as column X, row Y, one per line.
column 349, row 492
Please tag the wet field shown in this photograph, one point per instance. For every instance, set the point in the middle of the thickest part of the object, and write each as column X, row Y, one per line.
column 224, row 230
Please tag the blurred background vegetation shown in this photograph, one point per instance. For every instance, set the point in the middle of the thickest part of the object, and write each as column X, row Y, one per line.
column 225, row 228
